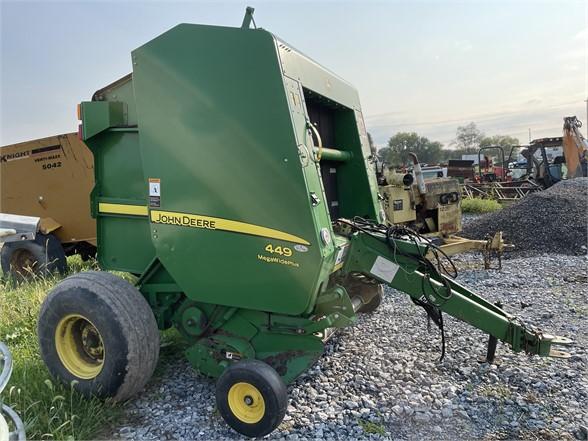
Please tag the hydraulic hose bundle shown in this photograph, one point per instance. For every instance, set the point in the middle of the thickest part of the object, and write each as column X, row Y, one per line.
column 443, row 264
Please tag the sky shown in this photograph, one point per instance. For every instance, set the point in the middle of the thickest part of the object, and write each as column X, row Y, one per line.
column 427, row 67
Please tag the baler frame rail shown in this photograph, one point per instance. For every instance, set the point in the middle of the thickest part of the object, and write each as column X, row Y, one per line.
column 400, row 264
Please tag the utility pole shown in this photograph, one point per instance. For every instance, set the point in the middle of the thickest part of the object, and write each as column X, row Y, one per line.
column 529, row 134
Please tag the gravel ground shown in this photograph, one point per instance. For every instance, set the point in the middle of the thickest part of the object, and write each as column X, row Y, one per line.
column 381, row 379
column 550, row 221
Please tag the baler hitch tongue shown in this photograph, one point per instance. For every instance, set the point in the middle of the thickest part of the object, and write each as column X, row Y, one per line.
column 550, row 340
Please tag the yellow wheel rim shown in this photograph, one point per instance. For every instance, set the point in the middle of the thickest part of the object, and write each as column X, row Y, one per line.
column 79, row 346
column 246, row 402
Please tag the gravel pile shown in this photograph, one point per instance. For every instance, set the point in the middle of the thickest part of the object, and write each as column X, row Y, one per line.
column 550, row 221
column 381, row 379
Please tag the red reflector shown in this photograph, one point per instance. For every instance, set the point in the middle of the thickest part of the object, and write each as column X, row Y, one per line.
column 80, row 136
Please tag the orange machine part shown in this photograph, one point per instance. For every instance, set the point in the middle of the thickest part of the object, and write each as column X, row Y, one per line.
column 572, row 152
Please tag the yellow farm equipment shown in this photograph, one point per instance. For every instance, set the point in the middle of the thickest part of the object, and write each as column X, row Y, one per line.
column 45, row 187
column 432, row 208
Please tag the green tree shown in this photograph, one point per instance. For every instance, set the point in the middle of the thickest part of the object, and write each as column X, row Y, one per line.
column 403, row 142
column 468, row 138
column 383, row 154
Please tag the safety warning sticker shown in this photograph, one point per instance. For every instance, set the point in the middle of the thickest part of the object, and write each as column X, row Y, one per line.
column 154, row 192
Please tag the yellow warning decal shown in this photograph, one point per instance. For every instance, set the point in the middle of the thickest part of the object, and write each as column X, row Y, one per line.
column 133, row 210
column 217, row 223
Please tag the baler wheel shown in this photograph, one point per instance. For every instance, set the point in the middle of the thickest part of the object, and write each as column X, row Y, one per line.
column 97, row 329
column 40, row 257
column 251, row 397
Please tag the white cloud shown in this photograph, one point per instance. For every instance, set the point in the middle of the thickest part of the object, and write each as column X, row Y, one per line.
column 582, row 35
column 463, row 45
column 578, row 49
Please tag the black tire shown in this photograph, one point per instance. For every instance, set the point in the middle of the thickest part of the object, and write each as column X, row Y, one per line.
column 29, row 258
column 87, row 255
column 375, row 301
column 86, row 251
column 265, row 383
column 95, row 307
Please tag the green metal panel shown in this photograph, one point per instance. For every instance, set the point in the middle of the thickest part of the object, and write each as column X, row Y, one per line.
column 120, row 174
column 124, row 241
column 130, row 255
column 100, row 116
column 351, row 135
column 216, row 129
column 121, row 91
column 224, row 131
column 356, row 174
column 315, row 77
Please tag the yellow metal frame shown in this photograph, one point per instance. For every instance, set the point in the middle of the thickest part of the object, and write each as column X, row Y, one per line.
column 455, row 245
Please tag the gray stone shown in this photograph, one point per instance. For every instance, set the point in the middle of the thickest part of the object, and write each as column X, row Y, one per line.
column 447, row 412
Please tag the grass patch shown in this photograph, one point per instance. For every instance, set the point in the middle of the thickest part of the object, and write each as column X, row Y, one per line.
column 498, row 391
column 371, row 427
column 49, row 409
column 479, row 206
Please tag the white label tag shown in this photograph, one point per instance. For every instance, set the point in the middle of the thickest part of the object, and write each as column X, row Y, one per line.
column 384, row 269
column 154, row 192
column 154, row 188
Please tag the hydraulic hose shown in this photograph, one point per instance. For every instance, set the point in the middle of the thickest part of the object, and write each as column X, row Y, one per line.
column 320, row 141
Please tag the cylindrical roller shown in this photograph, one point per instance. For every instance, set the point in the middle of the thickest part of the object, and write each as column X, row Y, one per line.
column 334, row 155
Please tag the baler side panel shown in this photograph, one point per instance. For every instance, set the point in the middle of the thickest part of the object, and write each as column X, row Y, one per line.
column 215, row 129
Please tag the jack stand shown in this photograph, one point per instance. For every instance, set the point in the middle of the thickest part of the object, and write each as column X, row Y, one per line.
column 492, row 343
column 491, row 353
